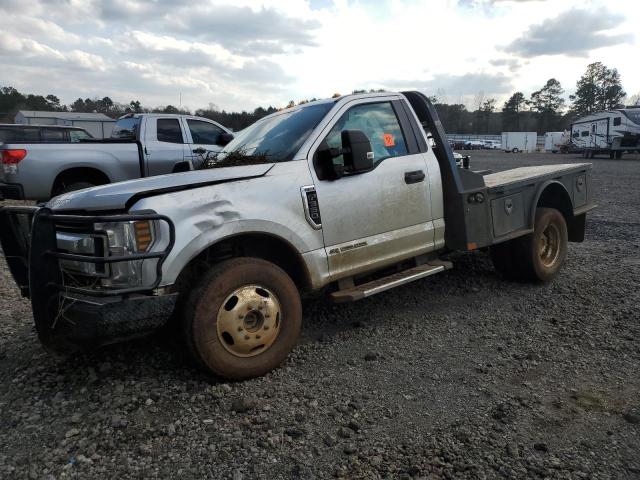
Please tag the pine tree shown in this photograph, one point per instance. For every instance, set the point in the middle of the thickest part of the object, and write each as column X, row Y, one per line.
column 548, row 102
column 598, row 89
column 511, row 112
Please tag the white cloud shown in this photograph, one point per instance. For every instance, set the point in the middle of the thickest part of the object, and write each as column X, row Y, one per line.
column 247, row 53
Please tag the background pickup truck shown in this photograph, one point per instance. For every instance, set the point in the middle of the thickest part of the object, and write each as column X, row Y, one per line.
column 344, row 196
column 141, row 145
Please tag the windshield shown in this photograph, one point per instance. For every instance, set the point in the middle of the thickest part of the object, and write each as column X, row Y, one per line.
column 126, row 128
column 273, row 139
column 634, row 115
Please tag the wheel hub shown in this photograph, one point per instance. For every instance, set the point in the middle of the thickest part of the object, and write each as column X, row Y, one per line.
column 249, row 321
column 549, row 245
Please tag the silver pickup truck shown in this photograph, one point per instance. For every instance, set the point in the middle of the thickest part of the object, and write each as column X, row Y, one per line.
column 141, row 145
column 350, row 196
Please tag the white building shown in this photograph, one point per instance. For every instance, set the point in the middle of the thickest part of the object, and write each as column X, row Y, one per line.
column 97, row 124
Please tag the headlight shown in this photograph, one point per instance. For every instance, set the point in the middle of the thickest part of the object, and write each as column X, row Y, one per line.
column 81, row 243
column 117, row 239
column 126, row 238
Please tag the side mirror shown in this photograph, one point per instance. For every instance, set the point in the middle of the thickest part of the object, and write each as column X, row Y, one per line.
column 357, row 151
column 224, row 138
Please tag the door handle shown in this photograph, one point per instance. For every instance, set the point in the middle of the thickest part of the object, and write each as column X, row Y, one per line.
column 416, row 176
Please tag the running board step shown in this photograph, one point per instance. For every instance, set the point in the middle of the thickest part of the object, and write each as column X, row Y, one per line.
column 386, row 283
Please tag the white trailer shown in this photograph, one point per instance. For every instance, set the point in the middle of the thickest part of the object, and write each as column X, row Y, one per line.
column 611, row 132
column 555, row 142
column 519, row 141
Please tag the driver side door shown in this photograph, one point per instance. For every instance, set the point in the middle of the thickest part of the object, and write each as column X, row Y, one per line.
column 381, row 216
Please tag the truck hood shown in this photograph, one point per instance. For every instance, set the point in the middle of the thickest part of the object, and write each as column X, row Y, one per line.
column 118, row 196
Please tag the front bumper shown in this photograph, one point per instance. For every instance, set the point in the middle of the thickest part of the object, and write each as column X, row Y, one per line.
column 11, row 191
column 69, row 317
column 82, row 322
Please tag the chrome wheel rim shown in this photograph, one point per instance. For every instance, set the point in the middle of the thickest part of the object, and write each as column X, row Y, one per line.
column 249, row 321
column 550, row 245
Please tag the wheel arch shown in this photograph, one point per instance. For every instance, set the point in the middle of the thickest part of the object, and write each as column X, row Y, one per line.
column 553, row 194
column 90, row 174
column 265, row 246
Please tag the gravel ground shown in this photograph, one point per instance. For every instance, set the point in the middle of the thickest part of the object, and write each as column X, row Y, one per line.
column 462, row 375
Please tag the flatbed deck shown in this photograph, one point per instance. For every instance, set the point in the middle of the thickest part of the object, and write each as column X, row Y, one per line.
column 513, row 177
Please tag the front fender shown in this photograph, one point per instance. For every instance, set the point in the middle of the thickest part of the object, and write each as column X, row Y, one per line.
column 183, row 253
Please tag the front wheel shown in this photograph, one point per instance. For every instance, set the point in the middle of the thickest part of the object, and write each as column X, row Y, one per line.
column 243, row 319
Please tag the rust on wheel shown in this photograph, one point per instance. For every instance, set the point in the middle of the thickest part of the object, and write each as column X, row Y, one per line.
column 249, row 321
column 550, row 241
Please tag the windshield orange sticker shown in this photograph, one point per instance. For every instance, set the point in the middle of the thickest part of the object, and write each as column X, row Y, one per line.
column 389, row 141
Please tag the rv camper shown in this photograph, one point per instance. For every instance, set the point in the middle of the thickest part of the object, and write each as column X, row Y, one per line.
column 612, row 132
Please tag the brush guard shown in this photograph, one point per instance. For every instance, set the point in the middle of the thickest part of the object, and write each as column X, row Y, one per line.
column 68, row 317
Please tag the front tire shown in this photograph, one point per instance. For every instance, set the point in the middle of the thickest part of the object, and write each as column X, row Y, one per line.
column 243, row 319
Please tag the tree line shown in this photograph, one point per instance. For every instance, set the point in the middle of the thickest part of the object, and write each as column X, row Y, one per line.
column 11, row 101
column 546, row 109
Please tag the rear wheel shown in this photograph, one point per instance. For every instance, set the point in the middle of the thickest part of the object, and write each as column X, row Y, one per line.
column 515, row 150
column 243, row 319
column 538, row 256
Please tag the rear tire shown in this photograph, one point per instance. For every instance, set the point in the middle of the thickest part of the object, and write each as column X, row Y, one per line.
column 243, row 319
column 515, row 150
column 537, row 257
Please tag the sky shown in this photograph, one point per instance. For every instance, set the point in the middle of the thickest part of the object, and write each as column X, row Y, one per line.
column 243, row 54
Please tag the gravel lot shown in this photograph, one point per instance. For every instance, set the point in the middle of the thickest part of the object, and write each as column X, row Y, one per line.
column 462, row 375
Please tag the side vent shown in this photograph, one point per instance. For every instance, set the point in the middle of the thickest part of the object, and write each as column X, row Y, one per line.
column 311, row 206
